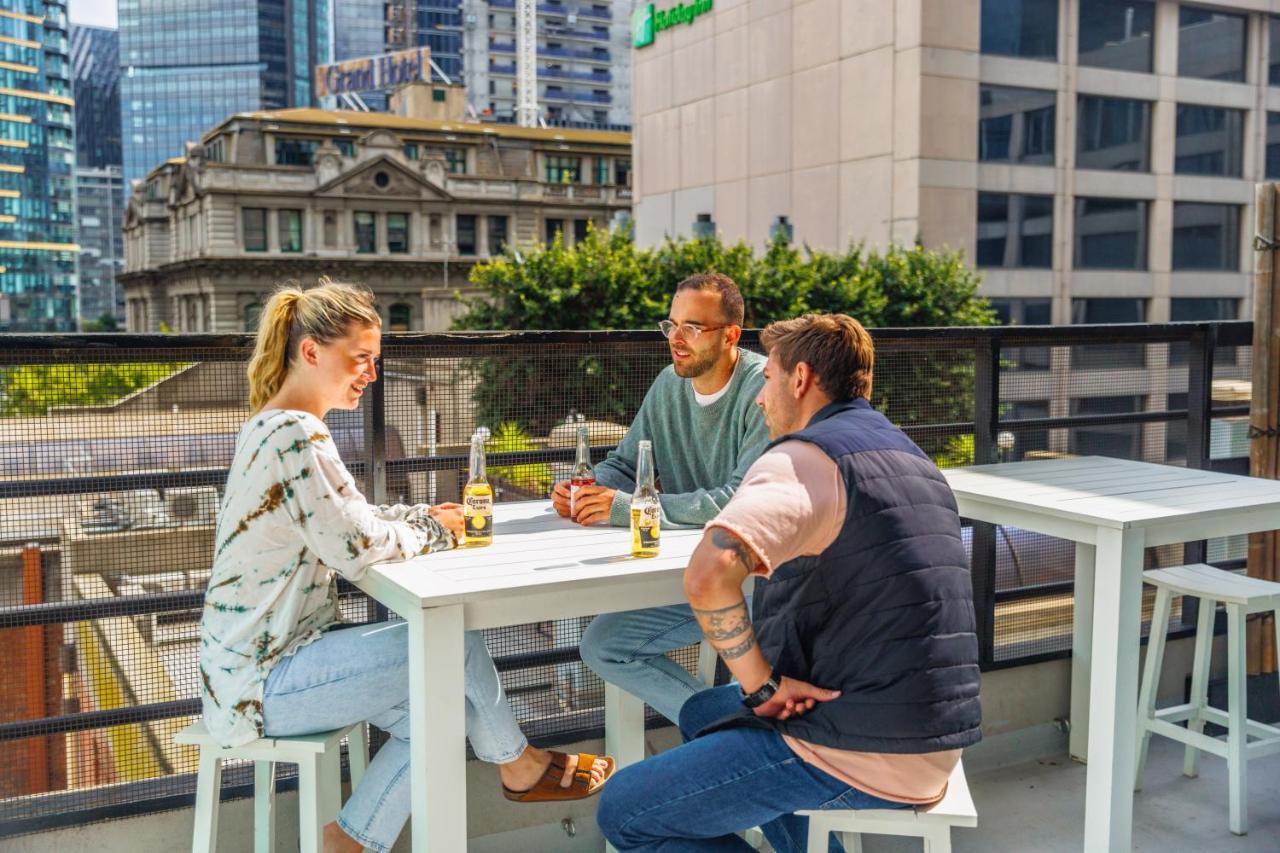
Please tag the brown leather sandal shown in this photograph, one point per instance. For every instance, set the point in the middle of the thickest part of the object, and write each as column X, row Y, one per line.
column 549, row 790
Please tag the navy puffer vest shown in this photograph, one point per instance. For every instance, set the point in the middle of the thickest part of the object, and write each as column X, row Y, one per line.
column 885, row 614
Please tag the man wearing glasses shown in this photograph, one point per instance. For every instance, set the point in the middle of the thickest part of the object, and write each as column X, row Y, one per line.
column 706, row 431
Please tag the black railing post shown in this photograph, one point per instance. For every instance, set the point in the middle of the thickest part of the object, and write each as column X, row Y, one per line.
column 986, row 419
column 1204, row 341
column 375, row 447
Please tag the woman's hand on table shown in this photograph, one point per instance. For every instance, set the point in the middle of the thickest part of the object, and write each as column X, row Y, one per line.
column 449, row 515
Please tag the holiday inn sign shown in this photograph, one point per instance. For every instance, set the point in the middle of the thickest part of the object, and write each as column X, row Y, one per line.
column 646, row 21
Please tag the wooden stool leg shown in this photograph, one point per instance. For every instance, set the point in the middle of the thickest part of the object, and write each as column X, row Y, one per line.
column 707, row 659
column 1200, row 682
column 852, row 842
column 819, row 832
column 1151, row 679
column 358, row 753
column 264, row 807
column 204, row 837
column 310, row 815
column 1238, row 732
column 330, row 785
column 938, row 840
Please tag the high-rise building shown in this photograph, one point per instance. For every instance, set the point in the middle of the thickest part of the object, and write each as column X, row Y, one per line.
column 95, row 64
column 38, row 250
column 188, row 64
column 99, row 222
column 583, row 59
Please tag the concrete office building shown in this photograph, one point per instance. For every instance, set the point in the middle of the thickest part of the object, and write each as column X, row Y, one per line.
column 1095, row 157
column 403, row 205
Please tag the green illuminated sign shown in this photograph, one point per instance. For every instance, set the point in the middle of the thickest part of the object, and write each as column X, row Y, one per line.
column 646, row 21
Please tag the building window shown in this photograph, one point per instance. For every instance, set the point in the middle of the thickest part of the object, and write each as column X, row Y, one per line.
column 1210, row 141
column 1206, row 236
column 1117, row 34
column 1273, row 69
column 1025, row 312
column 1111, row 234
column 580, row 227
column 252, row 316
column 1211, row 44
column 295, row 152
column 346, row 147
column 552, row 228
column 398, row 233
column 289, row 223
column 411, row 151
column 1273, row 146
column 399, row 317
column 455, row 160
column 1015, row 230
column 602, row 170
column 621, row 172
column 466, row 230
column 1115, row 133
column 253, row 224
column 214, row 152
column 497, row 234
column 1119, row 441
column 330, row 229
column 563, row 170
column 1016, row 125
column 366, row 227
column 1108, row 356
column 1023, row 28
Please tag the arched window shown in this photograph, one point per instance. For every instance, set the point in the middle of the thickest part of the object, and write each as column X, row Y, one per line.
column 399, row 317
column 252, row 316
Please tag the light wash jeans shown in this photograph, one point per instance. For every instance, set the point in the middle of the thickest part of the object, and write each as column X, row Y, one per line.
column 355, row 674
column 629, row 649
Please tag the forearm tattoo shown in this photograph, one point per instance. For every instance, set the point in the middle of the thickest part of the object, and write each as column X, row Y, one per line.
column 734, row 652
column 724, row 623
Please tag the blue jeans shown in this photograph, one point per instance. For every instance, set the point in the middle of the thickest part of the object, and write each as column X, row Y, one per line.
column 694, row 798
column 629, row 649
column 356, row 674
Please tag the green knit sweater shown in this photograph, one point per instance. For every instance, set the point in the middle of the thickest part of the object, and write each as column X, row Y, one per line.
column 700, row 452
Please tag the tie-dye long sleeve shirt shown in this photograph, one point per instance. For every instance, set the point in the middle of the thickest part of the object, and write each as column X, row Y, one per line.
column 290, row 518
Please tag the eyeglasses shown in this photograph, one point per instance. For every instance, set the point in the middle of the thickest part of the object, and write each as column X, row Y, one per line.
column 689, row 331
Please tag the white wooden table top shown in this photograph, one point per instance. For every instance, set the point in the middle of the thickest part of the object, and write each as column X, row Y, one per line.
column 1111, row 492
column 533, row 550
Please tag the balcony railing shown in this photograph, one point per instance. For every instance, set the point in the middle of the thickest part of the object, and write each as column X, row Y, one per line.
column 107, row 506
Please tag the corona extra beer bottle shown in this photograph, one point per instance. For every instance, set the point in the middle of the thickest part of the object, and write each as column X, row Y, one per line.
column 583, row 474
column 646, row 513
column 477, row 498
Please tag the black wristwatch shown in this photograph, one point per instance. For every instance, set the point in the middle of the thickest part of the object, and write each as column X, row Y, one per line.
column 764, row 694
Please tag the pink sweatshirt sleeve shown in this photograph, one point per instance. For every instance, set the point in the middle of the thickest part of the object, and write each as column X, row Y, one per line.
column 791, row 503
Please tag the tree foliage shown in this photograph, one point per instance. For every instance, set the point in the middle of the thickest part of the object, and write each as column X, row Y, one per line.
column 606, row 282
column 34, row 389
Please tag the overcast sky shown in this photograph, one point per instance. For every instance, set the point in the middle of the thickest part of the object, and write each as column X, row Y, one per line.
column 98, row 13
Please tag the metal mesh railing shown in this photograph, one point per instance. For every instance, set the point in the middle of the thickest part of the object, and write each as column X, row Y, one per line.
column 113, row 453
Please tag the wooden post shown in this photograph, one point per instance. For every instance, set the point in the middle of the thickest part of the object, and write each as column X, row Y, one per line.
column 1264, row 411
column 36, row 676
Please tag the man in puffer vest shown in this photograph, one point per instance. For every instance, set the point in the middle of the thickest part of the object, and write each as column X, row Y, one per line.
column 857, row 680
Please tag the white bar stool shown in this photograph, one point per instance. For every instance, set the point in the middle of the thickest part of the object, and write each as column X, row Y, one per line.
column 1241, row 595
column 931, row 823
column 318, row 758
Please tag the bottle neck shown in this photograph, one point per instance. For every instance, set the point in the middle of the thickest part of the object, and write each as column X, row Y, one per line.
column 477, row 461
column 644, row 470
column 584, row 452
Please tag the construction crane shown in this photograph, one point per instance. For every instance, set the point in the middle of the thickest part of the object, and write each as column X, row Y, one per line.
column 527, row 63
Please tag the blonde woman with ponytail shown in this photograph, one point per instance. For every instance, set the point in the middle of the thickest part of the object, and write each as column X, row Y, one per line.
column 274, row 657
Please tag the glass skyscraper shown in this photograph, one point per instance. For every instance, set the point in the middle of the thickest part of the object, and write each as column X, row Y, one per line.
column 95, row 64
column 189, row 64
column 38, row 250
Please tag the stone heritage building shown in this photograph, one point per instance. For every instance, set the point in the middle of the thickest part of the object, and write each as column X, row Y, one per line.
column 405, row 206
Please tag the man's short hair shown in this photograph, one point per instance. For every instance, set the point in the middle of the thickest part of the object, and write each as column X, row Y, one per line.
column 730, row 296
column 835, row 346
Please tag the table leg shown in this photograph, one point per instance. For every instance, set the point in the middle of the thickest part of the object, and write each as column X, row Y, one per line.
column 1113, row 683
column 437, row 730
column 1081, row 646
column 623, row 729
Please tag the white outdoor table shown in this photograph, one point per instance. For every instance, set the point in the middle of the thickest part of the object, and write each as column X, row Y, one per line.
column 539, row 567
column 1111, row 509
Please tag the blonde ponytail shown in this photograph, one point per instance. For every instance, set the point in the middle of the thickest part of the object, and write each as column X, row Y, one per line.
column 324, row 313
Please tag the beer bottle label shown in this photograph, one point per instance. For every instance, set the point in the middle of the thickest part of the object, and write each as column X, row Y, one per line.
column 649, row 526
